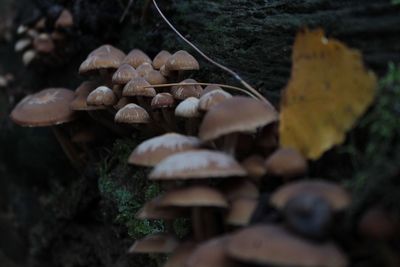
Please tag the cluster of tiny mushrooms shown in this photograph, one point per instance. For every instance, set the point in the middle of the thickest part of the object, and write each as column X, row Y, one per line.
column 44, row 38
column 210, row 151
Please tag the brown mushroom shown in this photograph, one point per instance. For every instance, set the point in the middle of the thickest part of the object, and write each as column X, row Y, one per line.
column 287, row 163
column 160, row 59
column 136, row 57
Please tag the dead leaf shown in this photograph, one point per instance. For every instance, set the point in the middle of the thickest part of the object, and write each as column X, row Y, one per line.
column 328, row 91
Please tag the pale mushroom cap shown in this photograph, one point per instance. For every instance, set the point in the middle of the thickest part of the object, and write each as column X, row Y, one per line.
column 132, row 114
column 45, row 108
column 65, row 20
column 22, row 44
column 136, row 57
column 43, row 43
column 160, row 59
column 212, row 98
column 154, row 150
column 273, row 245
column 81, row 94
column 194, row 196
column 144, row 68
column 104, row 57
column 286, row 162
column 201, row 164
column 155, row 77
column 165, row 72
column 124, row 74
column 162, row 100
column 184, row 91
column 188, row 108
column 241, row 211
column 28, row 57
column 156, row 243
column 152, row 211
column 136, row 88
column 210, row 88
column 224, row 118
column 101, row 96
column 211, row 254
column 180, row 255
column 255, row 166
column 336, row 196
column 181, row 60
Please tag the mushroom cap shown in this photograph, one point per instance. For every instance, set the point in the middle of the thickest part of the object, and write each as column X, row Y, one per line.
column 136, row 88
column 212, row 98
column 155, row 77
column 224, row 119
column 200, row 164
column 122, row 102
column 210, row 88
column 156, row 243
column 162, row 100
column 65, row 20
column 165, row 72
column 180, row 255
column 124, row 74
column 211, row 254
column 104, row 57
column 154, row 150
column 182, row 92
column 132, row 114
column 22, row 44
column 45, row 108
column 81, row 94
column 153, row 211
column 194, row 196
column 286, row 162
column 267, row 244
column 241, row 211
column 181, row 60
column 255, row 166
column 144, row 68
column 101, row 96
column 337, row 196
column 160, row 59
column 188, row 108
column 239, row 188
column 43, row 43
column 136, row 57
column 28, row 56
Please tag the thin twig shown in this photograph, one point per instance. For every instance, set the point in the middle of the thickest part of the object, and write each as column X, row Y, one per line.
column 234, row 74
column 126, row 11
column 216, row 84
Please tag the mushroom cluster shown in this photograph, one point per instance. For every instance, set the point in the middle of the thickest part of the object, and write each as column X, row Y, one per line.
column 44, row 38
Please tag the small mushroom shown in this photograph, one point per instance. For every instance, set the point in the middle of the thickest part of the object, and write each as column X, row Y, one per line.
column 181, row 92
column 136, row 57
column 132, row 114
column 144, row 68
column 189, row 109
column 160, row 59
column 181, row 61
column 102, row 96
column 212, row 98
column 287, row 163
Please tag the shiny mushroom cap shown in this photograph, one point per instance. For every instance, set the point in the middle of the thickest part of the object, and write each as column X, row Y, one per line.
column 136, row 88
column 200, row 164
column 273, row 245
column 181, row 60
column 210, row 88
column 101, row 96
column 104, row 57
column 124, row 74
column 182, row 92
column 144, row 68
column 224, row 118
column 136, row 57
column 194, row 196
column 45, row 108
column 212, row 98
column 155, row 77
column 162, row 100
column 160, row 59
column 286, row 162
column 154, row 150
column 81, row 94
column 255, row 166
column 337, row 197
column 132, row 114
column 188, row 108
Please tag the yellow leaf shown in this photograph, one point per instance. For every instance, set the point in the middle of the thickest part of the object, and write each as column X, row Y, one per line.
column 328, row 91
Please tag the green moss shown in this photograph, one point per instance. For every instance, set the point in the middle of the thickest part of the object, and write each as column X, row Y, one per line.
column 126, row 189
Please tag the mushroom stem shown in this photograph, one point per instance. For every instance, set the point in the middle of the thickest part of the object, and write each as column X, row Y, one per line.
column 198, row 231
column 69, row 149
column 143, row 103
column 192, row 126
column 229, row 145
column 169, row 118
